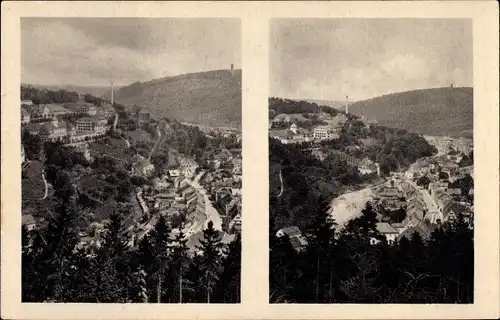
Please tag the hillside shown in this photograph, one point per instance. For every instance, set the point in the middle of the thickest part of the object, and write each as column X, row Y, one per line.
column 439, row 111
column 96, row 91
column 339, row 105
column 209, row 98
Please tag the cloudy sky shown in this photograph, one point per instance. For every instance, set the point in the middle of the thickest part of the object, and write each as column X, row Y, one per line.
column 330, row 58
column 91, row 51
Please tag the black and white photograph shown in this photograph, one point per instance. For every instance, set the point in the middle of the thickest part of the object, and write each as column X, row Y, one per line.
column 131, row 160
column 371, row 161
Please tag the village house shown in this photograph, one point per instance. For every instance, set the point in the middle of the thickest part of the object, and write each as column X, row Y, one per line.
column 50, row 110
column 29, row 222
column 49, row 131
column 25, row 116
column 295, row 237
column 26, row 102
column 388, row 231
column 143, row 168
column 367, row 166
column 337, row 121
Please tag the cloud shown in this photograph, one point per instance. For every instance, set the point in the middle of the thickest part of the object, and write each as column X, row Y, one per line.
column 93, row 51
column 364, row 58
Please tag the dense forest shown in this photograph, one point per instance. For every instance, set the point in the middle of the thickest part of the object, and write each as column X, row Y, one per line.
column 290, row 106
column 341, row 266
column 44, row 96
column 158, row 269
column 304, row 178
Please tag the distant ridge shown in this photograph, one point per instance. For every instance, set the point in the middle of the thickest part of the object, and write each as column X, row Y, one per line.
column 96, row 91
column 438, row 111
column 211, row 98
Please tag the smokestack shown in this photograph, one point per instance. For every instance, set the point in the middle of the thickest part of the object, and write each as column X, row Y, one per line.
column 112, row 101
column 346, row 105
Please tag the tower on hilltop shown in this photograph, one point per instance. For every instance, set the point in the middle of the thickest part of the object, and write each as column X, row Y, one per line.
column 232, row 69
column 112, row 101
column 346, row 105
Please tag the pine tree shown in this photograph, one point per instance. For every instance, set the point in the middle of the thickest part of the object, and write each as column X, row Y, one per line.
column 180, row 260
column 229, row 286
column 54, row 262
column 116, row 255
column 160, row 240
column 321, row 240
column 211, row 248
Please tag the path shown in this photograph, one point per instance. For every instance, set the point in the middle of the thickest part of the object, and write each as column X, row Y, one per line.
column 46, row 185
column 116, row 121
column 281, row 180
column 157, row 143
column 126, row 141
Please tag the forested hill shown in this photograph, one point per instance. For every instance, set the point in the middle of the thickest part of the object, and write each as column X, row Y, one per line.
column 96, row 91
column 210, row 98
column 289, row 106
column 439, row 111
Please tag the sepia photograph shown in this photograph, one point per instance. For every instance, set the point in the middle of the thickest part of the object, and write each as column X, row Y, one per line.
column 131, row 160
column 371, row 161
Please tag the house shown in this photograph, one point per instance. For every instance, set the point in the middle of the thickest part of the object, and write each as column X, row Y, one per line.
column 389, row 232
column 23, row 155
column 25, row 116
column 284, row 136
column 235, row 224
column 454, row 191
column 51, row 110
column 54, row 130
column 367, row 166
column 89, row 109
column 409, row 175
column 173, row 173
column 223, row 156
column 336, row 122
column 390, row 192
column 106, row 110
column 143, row 168
column 29, row 222
column 295, row 237
column 143, row 116
column 288, row 231
column 26, row 102
column 425, row 230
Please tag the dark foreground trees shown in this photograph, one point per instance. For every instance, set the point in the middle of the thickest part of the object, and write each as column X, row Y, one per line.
column 347, row 267
column 160, row 269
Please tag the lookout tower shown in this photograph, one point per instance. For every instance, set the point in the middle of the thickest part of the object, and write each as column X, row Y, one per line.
column 232, row 69
column 346, row 105
column 112, row 93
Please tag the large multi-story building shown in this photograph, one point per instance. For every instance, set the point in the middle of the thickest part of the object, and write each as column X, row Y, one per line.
column 50, row 110
column 88, row 125
column 325, row 132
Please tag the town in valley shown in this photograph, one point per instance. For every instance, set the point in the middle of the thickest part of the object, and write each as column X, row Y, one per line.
column 130, row 201
column 371, row 161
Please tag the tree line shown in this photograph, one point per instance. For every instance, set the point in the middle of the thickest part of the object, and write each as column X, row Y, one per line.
column 290, row 106
column 343, row 265
column 159, row 269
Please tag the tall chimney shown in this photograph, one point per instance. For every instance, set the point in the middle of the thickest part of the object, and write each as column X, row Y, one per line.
column 112, row 101
column 346, row 105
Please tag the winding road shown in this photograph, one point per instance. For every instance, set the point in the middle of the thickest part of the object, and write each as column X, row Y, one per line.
column 281, row 180
column 157, row 143
column 46, row 185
